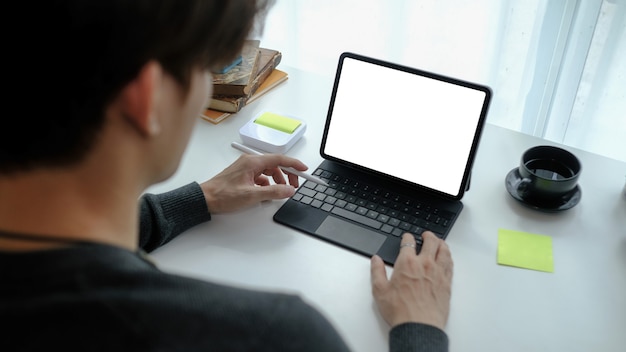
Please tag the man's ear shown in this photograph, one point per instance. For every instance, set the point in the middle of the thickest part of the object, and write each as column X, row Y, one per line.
column 138, row 99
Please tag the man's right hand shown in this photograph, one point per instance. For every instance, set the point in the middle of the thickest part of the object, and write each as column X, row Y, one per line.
column 420, row 286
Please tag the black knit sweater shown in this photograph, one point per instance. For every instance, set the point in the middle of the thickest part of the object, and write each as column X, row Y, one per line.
column 93, row 297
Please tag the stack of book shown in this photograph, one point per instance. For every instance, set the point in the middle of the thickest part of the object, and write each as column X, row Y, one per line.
column 254, row 75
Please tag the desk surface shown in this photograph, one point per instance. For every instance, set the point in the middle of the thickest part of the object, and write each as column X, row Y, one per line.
column 579, row 307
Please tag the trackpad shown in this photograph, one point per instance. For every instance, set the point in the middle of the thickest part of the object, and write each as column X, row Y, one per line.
column 350, row 235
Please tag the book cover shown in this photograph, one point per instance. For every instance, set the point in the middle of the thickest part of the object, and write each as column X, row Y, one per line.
column 228, row 67
column 236, row 103
column 275, row 78
column 238, row 79
column 214, row 116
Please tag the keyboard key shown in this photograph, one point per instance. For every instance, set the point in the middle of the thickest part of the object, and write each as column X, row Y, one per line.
column 421, row 223
column 416, row 230
column 386, row 228
column 330, row 191
column 320, row 188
column 330, row 200
column 356, row 217
column 307, row 192
column 382, row 218
column 404, row 217
column 383, row 210
column 372, row 214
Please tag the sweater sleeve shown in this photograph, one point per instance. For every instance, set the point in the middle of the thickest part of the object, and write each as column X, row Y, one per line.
column 417, row 337
column 165, row 216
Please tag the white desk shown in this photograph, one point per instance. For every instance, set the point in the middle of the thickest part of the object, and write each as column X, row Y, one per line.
column 579, row 307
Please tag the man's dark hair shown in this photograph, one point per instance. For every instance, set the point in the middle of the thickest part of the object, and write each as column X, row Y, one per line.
column 72, row 57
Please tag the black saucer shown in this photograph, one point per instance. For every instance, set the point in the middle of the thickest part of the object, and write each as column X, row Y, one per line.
column 512, row 181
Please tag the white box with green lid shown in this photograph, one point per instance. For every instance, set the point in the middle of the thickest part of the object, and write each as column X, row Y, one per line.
column 272, row 132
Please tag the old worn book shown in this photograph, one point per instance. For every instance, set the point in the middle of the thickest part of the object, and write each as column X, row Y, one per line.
column 269, row 59
column 235, row 103
column 238, row 80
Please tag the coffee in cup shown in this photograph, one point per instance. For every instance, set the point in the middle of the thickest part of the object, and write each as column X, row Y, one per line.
column 549, row 175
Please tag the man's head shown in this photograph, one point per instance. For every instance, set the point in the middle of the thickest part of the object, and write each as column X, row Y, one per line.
column 77, row 56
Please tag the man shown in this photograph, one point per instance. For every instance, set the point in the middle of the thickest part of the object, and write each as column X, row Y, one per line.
column 135, row 77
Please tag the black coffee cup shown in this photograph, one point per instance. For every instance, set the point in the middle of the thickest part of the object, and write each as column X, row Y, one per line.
column 549, row 175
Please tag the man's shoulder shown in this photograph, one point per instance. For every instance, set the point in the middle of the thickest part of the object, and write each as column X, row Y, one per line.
column 135, row 303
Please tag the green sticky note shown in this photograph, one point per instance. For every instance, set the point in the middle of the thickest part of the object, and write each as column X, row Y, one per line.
column 278, row 122
column 525, row 250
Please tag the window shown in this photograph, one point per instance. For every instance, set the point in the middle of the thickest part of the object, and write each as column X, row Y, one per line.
column 557, row 68
column 589, row 108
